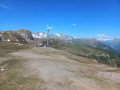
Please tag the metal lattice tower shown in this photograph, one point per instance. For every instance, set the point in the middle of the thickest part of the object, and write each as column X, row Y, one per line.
column 48, row 35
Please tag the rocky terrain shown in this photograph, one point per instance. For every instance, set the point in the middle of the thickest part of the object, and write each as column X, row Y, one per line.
column 114, row 43
column 90, row 48
column 19, row 36
column 62, row 66
column 91, row 42
column 52, row 69
column 26, row 34
column 12, row 36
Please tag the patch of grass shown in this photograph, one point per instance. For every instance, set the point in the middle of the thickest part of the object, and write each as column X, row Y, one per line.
column 9, row 63
column 98, row 80
column 65, row 83
column 115, row 70
column 9, row 77
column 14, row 79
column 84, row 74
column 9, row 47
column 99, row 55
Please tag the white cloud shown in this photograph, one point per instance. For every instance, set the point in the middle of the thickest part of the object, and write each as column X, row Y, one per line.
column 74, row 24
column 3, row 6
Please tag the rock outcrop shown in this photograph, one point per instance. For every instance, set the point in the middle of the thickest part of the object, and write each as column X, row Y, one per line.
column 19, row 36
column 12, row 36
column 26, row 34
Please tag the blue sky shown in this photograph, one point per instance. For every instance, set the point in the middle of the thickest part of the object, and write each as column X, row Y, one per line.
column 78, row 18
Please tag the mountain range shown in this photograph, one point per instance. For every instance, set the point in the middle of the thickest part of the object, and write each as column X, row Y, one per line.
column 104, row 44
column 100, row 50
column 114, row 43
column 25, row 36
column 42, row 35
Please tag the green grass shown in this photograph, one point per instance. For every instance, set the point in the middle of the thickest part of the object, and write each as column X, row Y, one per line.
column 89, row 52
column 65, row 83
column 115, row 70
column 9, row 47
column 13, row 77
column 10, row 75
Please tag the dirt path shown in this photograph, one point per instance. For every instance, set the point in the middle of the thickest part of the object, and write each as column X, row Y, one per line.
column 58, row 72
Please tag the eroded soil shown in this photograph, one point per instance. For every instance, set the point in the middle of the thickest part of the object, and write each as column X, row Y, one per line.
column 59, row 70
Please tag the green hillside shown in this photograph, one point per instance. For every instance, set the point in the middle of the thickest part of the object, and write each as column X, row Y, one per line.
column 91, row 42
column 99, row 55
column 9, row 47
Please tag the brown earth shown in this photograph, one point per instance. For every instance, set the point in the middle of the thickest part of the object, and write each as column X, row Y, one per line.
column 59, row 70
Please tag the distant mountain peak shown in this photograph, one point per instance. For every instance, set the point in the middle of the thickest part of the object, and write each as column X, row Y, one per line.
column 56, row 36
column 104, row 39
column 114, row 43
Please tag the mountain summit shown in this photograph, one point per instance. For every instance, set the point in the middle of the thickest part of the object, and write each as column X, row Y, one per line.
column 42, row 35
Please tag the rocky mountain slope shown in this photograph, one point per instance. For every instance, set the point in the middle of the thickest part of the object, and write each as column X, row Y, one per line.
column 12, row 36
column 114, row 43
column 91, row 42
column 90, row 48
column 98, row 55
column 19, row 36
column 26, row 34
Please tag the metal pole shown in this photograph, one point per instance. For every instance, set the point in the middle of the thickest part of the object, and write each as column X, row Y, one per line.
column 48, row 38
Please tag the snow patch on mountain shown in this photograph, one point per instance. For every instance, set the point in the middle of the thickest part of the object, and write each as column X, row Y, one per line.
column 41, row 35
column 58, row 35
column 104, row 39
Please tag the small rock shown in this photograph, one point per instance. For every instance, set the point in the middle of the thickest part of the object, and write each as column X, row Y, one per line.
column 2, row 69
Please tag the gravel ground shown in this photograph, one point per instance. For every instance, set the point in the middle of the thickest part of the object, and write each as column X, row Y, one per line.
column 61, row 72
